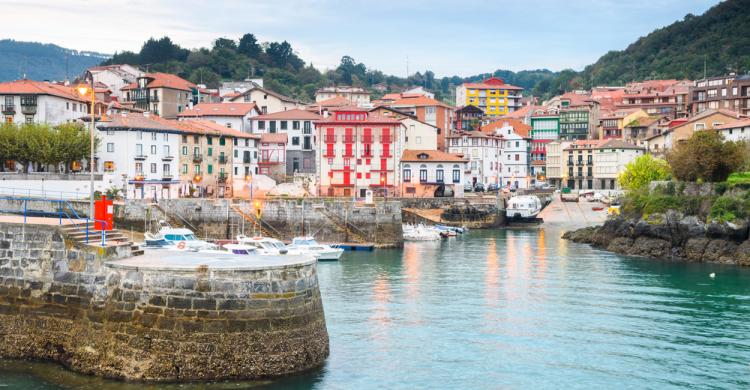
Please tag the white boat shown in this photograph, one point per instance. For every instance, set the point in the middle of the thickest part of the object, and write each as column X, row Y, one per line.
column 308, row 245
column 180, row 238
column 523, row 207
column 241, row 249
column 267, row 245
column 419, row 233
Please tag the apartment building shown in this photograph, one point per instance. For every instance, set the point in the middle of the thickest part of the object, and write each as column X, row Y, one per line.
column 706, row 120
column 731, row 92
column 417, row 135
column 430, row 111
column 163, row 94
column 28, row 101
column 493, row 96
column 514, row 164
column 482, row 151
column 467, row 118
column 610, row 159
column 579, row 116
column 354, row 96
column 231, row 115
column 545, row 128
column 554, row 164
column 612, row 124
column 205, row 159
column 137, row 154
column 432, row 173
column 300, row 142
column 357, row 152
column 578, row 157
column 267, row 101
column 738, row 130
column 116, row 77
column 668, row 98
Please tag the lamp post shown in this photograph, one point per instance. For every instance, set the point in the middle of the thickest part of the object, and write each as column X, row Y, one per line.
column 83, row 89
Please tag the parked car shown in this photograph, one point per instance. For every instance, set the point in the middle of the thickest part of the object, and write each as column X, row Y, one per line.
column 479, row 187
column 492, row 187
column 468, row 187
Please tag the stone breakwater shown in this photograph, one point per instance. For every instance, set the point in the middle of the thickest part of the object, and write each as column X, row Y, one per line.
column 670, row 236
column 157, row 317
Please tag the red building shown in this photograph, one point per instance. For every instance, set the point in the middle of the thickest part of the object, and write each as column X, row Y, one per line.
column 357, row 152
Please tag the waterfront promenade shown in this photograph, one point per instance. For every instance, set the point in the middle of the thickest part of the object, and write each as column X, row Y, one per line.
column 572, row 215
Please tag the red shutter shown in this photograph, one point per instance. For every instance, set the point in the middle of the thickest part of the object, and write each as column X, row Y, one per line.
column 348, row 151
column 383, row 164
column 347, row 178
column 386, row 150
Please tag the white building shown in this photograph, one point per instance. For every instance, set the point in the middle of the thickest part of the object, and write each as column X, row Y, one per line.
column 419, row 135
column 482, row 152
column 736, row 131
column 231, row 115
column 514, row 160
column 355, row 95
column 28, row 101
column 115, row 77
column 610, row 159
column 138, row 154
column 554, row 163
column 432, row 173
column 267, row 101
column 245, row 152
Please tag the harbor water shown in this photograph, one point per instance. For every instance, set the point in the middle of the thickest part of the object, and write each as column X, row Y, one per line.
column 507, row 310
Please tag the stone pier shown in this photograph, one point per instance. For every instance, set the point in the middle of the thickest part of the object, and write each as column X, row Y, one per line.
column 165, row 316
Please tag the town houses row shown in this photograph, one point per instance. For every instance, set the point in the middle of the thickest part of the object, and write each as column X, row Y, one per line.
column 163, row 136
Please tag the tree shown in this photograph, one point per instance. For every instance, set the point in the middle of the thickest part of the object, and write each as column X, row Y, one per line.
column 706, row 156
column 249, row 46
column 225, row 43
column 205, row 76
column 643, row 170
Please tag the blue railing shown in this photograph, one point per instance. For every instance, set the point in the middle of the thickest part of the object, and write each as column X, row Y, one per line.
column 60, row 204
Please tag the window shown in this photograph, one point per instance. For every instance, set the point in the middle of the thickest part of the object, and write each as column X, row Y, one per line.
column 153, row 136
column 139, row 150
column 423, row 173
column 110, row 147
column 261, row 125
column 197, row 151
column 197, row 169
column 439, row 174
column 295, row 125
column 110, row 132
column 166, row 150
column 209, row 140
column 229, row 125
column 210, row 169
column 407, row 173
column 184, row 151
column 153, row 148
column 456, row 174
column 165, row 167
column 184, row 169
column 272, row 129
column 153, row 167
column 165, row 137
column 139, row 134
column 210, row 151
column 222, row 141
column 307, row 128
column 295, row 141
column 138, row 168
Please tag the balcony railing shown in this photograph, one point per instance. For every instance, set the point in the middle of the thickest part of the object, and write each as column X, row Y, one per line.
column 141, row 157
column 329, row 139
column 167, row 176
column 28, row 110
column 367, row 139
column 331, row 153
column 246, row 160
column 197, row 158
column 223, row 159
column 167, row 158
column 222, row 178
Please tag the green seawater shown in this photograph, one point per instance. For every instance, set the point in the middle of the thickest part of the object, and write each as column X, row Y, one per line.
column 507, row 310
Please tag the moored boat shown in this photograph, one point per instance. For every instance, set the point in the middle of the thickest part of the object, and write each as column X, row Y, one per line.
column 523, row 207
column 308, row 245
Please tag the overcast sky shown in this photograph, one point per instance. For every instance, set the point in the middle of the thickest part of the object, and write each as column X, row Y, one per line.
column 462, row 37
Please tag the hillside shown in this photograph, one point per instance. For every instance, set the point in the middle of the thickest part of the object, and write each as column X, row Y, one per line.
column 40, row 61
column 721, row 37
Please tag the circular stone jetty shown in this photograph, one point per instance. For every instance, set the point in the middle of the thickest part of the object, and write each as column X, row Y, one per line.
column 164, row 316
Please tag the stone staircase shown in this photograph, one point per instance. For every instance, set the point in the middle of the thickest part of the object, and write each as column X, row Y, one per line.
column 77, row 232
column 265, row 228
column 349, row 230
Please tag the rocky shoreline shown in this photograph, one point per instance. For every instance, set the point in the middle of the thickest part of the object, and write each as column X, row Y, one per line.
column 670, row 236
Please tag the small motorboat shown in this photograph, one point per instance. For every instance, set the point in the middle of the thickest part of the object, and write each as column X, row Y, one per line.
column 523, row 207
column 151, row 240
column 240, row 249
column 419, row 233
column 267, row 245
column 180, row 238
column 308, row 245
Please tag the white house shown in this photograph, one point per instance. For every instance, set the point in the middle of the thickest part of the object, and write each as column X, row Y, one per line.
column 138, row 155
column 736, row 131
column 355, row 95
column 245, row 155
column 231, row 115
column 28, row 101
column 267, row 101
column 419, row 135
column 514, row 153
column 610, row 159
column 432, row 173
column 115, row 77
column 482, row 152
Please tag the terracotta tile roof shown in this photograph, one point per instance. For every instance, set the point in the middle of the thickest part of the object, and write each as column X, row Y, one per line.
column 269, row 92
column 129, row 87
column 139, row 121
column 231, row 95
column 275, row 138
column 519, row 127
column 585, row 144
column 218, row 109
column 202, row 126
column 290, row 115
column 419, row 101
column 31, row 87
column 168, row 80
column 492, row 83
column 644, row 121
column 736, row 124
column 430, row 155
column 336, row 101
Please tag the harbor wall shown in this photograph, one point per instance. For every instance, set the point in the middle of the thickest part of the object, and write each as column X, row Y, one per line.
column 329, row 220
column 72, row 306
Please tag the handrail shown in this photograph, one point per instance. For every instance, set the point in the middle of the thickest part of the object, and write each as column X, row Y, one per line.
column 60, row 213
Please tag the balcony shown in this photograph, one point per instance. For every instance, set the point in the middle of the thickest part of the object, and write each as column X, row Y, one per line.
column 167, row 176
column 367, row 139
column 329, row 139
column 140, row 157
column 348, row 139
column 28, row 109
column 9, row 109
column 223, row 159
column 246, row 160
column 222, row 178
column 197, row 158
column 329, row 153
column 167, row 158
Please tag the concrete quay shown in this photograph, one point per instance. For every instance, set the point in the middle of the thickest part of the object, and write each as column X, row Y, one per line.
column 163, row 317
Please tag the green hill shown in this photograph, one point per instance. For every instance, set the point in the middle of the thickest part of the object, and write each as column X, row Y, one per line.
column 40, row 61
column 720, row 37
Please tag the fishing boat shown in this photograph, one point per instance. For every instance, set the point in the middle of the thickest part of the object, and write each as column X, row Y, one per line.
column 308, row 245
column 523, row 207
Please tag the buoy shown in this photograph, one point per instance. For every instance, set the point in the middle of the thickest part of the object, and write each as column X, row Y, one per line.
column 712, row 275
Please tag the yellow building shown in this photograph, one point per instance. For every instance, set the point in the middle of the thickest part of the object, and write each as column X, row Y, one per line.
column 493, row 96
column 612, row 124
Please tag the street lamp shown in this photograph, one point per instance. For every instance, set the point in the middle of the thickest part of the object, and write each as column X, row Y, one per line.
column 84, row 89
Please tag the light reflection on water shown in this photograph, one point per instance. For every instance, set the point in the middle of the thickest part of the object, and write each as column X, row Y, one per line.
column 510, row 309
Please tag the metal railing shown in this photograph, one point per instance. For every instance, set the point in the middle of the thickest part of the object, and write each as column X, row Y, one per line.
column 61, row 204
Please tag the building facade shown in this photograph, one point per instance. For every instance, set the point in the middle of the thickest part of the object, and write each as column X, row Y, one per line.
column 354, row 95
column 467, row 118
column 205, row 160
column 430, row 111
column 545, row 128
column 28, row 101
column 230, row 115
column 299, row 126
column 493, row 96
column 357, row 153
column 116, row 77
column 657, row 97
column 482, row 152
column 730, row 92
column 162, row 94
column 610, row 159
column 432, row 173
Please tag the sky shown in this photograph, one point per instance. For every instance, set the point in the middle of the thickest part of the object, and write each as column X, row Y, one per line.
column 449, row 37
